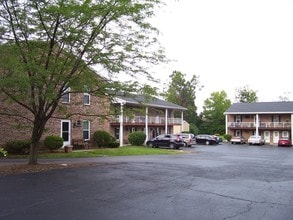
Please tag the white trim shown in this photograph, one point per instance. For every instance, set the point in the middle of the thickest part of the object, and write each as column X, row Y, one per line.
column 65, row 143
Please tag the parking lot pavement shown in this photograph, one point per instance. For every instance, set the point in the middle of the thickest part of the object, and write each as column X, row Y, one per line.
column 210, row 182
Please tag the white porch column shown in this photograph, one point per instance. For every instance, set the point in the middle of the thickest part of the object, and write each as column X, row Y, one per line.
column 182, row 121
column 256, row 125
column 226, row 124
column 166, row 121
column 291, row 127
column 121, row 125
column 147, row 123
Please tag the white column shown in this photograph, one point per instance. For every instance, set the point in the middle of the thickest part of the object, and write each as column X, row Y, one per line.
column 147, row 123
column 121, row 125
column 166, row 121
column 226, row 120
column 291, row 127
column 256, row 125
column 182, row 121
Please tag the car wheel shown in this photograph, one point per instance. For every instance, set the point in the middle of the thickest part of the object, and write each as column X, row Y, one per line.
column 207, row 142
column 185, row 144
column 150, row 144
column 172, row 145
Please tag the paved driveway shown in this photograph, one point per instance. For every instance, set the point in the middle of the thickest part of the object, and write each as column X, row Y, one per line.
column 210, row 182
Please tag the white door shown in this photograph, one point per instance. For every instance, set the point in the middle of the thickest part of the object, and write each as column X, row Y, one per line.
column 66, row 132
column 267, row 138
column 276, row 137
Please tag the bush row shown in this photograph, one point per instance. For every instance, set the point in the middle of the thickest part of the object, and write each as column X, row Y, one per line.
column 100, row 138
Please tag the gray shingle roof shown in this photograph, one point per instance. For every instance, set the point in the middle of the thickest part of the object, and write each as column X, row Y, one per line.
column 260, row 107
column 151, row 102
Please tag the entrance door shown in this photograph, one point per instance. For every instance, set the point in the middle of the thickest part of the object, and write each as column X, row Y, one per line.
column 66, row 132
column 276, row 137
column 267, row 138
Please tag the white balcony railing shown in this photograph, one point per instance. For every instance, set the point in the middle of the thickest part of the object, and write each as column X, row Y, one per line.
column 142, row 120
column 261, row 124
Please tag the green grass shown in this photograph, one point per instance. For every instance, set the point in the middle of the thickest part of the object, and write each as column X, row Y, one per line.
column 111, row 152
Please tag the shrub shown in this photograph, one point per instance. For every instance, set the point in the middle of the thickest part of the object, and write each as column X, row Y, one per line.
column 113, row 145
column 53, row 142
column 103, row 138
column 18, row 147
column 137, row 138
column 227, row 137
column 3, row 153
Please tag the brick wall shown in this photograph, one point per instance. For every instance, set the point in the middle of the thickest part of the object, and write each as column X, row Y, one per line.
column 17, row 128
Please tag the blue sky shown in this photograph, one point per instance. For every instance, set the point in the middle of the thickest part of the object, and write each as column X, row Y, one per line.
column 230, row 44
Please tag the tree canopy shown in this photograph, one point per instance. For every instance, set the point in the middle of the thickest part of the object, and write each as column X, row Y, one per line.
column 245, row 94
column 213, row 118
column 48, row 45
column 182, row 91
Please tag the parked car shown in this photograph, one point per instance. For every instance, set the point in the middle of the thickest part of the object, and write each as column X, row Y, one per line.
column 218, row 139
column 284, row 141
column 238, row 140
column 206, row 139
column 166, row 140
column 189, row 139
column 255, row 139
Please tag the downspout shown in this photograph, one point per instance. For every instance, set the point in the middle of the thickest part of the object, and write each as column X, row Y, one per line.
column 166, row 121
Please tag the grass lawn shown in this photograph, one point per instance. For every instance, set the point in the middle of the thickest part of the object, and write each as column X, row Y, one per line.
column 121, row 151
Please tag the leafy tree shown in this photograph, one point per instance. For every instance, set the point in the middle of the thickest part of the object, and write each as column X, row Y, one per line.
column 183, row 92
column 213, row 118
column 246, row 95
column 48, row 45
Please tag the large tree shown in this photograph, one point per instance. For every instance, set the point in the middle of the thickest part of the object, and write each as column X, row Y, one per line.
column 182, row 91
column 246, row 95
column 48, row 45
column 213, row 118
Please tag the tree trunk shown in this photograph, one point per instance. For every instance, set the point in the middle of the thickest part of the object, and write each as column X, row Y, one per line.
column 33, row 159
column 38, row 129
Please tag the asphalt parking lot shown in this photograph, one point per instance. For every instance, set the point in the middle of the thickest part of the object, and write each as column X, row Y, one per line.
column 208, row 182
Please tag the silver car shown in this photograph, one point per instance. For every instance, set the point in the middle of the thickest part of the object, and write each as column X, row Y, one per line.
column 256, row 139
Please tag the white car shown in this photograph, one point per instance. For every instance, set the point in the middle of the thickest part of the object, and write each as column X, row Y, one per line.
column 238, row 140
column 189, row 139
column 255, row 139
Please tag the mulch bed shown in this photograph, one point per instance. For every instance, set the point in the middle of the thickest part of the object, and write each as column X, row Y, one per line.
column 25, row 168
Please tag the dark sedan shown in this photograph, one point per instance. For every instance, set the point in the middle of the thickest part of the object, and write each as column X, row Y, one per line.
column 166, row 140
column 206, row 139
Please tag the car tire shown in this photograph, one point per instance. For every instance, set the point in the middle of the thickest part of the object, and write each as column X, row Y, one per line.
column 172, row 145
column 150, row 144
column 207, row 142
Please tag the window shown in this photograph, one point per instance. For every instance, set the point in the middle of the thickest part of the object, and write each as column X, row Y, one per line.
column 238, row 118
column 86, row 129
column 66, row 95
column 86, row 98
column 285, row 134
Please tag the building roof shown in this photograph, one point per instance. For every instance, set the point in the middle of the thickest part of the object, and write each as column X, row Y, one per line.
column 260, row 107
column 148, row 101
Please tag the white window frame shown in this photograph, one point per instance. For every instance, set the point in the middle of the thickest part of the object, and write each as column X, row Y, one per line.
column 285, row 134
column 88, row 98
column 66, row 96
column 88, row 129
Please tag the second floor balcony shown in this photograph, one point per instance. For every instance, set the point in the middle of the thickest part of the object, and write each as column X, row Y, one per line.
column 262, row 125
column 141, row 120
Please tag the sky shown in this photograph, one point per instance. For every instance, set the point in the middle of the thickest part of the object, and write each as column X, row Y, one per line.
column 230, row 44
